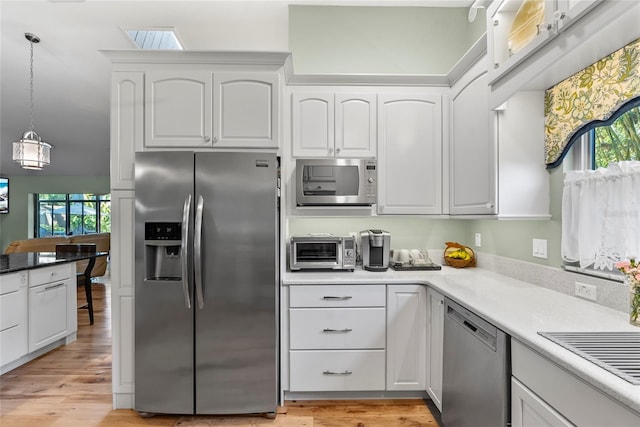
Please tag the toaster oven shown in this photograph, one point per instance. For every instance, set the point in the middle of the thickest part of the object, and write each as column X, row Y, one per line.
column 322, row 253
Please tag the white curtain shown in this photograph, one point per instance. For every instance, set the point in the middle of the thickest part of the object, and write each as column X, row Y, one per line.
column 601, row 215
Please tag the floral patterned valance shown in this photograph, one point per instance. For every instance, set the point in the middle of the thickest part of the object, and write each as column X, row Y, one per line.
column 589, row 96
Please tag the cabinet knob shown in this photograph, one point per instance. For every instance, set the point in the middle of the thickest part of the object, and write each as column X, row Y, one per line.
column 337, row 150
column 207, row 138
column 489, row 205
column 330, row 150
column 559, row 14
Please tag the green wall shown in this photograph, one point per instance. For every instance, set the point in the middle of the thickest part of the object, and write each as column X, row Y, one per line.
column 15, row 224
column 379, row 40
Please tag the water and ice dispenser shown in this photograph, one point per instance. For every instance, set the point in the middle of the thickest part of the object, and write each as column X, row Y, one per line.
column 162, row 256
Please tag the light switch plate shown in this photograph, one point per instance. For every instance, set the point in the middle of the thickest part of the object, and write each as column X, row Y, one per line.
column 478, row 240
column 540, row 248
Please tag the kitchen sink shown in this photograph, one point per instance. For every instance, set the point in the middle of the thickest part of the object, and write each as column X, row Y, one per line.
column 617, row 352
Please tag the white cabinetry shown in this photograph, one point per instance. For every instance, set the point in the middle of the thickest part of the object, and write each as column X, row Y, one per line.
column 410, row 153
column 178, row 108
column 406, row 337
column 333, row 124
column 472, row 149
column 13, row 317
column 569, row 11
column 528, row 410
column 186, row 108
column 52, row 304
column 336, row 340
column 568, row 400
column 435, row 337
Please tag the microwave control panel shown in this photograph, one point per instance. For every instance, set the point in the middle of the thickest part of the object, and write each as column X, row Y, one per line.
column 370, row 175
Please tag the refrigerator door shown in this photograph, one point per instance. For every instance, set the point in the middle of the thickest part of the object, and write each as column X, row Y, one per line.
column 163, row 290
column 236, row 328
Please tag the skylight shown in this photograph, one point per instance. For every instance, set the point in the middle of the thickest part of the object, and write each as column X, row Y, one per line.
column 155, row 39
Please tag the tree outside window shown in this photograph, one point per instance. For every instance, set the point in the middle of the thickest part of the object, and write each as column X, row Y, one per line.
column 72, row 214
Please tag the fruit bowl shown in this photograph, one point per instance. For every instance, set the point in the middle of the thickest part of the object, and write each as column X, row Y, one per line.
column 459, row 256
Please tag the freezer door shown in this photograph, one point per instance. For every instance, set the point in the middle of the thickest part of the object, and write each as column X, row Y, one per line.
column 163, row 284
column 236, row 328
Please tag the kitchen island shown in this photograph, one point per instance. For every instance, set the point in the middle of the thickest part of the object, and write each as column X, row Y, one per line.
column 38, row 303
column 521, row 310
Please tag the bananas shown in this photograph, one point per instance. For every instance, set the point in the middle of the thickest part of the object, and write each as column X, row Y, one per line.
column 460, row 254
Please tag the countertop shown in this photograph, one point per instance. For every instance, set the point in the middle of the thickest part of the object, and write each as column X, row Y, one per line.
column 10, row 263
column 518, row 308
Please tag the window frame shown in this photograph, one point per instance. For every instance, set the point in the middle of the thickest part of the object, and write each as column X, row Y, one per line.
column 68, row 200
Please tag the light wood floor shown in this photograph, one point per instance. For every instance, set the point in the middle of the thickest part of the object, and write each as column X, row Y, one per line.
column 71, row 386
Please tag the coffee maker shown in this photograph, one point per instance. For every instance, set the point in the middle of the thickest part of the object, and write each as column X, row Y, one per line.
column 374, row 249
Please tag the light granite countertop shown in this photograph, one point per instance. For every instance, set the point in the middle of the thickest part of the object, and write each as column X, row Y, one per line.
column 518, row 308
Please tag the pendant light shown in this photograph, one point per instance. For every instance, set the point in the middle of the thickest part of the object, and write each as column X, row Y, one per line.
column 31, row 151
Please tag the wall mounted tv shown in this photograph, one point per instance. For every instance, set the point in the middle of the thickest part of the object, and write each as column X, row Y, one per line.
column 4, row 195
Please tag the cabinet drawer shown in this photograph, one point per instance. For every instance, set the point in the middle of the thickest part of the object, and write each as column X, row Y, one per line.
column 11, row 282
column 337, row 296
column 337, row 328
column 354, row 370
column 13, row 343
column 12, row 309
column 40, row 276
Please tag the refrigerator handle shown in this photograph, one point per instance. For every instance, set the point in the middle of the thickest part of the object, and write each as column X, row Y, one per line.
column 197, row 245
column 184, row 251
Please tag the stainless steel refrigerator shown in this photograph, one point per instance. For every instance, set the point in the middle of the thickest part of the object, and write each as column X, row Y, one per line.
column 206, row 291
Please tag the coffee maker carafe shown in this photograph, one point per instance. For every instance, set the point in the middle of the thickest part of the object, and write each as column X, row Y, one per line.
column 374, row 248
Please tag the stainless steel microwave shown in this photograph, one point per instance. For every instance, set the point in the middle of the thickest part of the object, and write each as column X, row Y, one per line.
column 324, row 252
column 327, row 182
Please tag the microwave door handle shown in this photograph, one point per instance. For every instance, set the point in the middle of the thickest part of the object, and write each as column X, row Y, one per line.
column 184, row 252
column 197, row 245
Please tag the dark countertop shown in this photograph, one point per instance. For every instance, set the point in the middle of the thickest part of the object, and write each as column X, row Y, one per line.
column 10, row 263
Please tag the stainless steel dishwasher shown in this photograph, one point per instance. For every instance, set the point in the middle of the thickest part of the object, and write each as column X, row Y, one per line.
column 476, row 370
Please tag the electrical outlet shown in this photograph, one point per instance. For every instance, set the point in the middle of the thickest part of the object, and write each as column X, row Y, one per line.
column 478, row 240
column 586, row 291
column 540, row 248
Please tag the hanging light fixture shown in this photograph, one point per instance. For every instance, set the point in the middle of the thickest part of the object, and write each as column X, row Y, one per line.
column 31, row 151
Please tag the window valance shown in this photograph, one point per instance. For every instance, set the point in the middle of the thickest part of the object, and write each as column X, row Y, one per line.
column 589, row 97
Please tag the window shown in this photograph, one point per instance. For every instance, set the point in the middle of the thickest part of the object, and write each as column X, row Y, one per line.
column 619, row 140
column 67, row 214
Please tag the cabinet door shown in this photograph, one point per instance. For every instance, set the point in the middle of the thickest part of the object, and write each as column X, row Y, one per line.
column 435, row 334
column 355, row 125
column 13, row 317
column 528, row 410
column 178, row 109
column 410, row 154
column 569, row 11
column 406, row 337
column 472, row 172
column 313, row 124
column 49, row 307
column 127, row 122
column 246, row 110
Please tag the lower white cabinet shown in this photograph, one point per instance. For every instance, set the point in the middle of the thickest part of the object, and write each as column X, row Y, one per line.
column 406, row 337
column 52, row 304
column 435, row 335
column 528, row 410
column 13, row 317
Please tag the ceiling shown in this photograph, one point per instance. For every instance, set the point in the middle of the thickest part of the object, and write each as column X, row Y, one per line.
column 72, row 76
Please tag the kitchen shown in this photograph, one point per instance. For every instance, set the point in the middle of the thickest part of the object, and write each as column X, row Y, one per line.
column 497, row 236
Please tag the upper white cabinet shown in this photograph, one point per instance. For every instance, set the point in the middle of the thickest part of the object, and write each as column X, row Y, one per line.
column 410, row 152
column 246, row 109
column 435, row 341
column 472, row 150
column 186, row 108
column 406, row 337
column 569, row 11
column 333, row 124
column 178, row 108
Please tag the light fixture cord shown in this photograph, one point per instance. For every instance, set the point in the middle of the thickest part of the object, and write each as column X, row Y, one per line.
column 31, row 86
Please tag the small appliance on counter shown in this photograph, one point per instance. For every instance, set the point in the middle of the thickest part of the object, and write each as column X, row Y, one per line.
column 412, row 259
column 374, row 248
column 322, row 252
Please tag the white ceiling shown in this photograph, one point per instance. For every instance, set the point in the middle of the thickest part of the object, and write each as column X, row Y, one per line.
column 72, row 77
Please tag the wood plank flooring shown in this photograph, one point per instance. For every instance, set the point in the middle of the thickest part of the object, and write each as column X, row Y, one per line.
column 71, row 387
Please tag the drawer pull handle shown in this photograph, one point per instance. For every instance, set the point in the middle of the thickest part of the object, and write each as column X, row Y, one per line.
column 337, row 373
column 337, row 330
column 53, row 286
column 336, row 298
